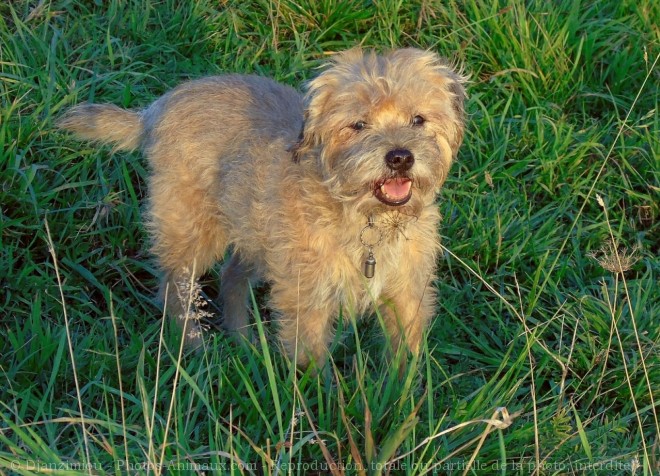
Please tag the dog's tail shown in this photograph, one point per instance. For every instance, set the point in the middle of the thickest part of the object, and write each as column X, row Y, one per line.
column 104, row 123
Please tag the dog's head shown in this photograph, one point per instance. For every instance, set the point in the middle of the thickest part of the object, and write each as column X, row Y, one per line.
column 384, row 129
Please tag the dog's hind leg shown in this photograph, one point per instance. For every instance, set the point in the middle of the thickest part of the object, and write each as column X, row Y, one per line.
column 234, row 294
column 188, row 238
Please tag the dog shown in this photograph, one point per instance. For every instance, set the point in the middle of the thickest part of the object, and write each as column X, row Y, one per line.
column 330, row 196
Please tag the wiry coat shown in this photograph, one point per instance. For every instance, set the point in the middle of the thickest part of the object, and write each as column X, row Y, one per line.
column 290, row 183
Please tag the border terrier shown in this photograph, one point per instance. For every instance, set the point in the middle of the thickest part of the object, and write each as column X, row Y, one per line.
column 330, row 196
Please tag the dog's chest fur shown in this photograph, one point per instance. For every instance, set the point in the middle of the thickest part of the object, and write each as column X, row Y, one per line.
column 329, row 264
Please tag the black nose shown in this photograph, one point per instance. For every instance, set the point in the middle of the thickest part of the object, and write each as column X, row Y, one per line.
column 399, row 159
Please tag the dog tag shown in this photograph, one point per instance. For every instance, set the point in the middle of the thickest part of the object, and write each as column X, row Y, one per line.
column 370, row 266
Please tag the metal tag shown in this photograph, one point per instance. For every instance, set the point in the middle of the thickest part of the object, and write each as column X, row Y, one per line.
column 370, row 266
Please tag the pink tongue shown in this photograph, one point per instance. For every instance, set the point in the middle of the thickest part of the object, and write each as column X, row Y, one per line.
column 397, row 188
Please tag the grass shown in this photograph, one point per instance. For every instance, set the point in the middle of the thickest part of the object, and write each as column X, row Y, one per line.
column 545, row 354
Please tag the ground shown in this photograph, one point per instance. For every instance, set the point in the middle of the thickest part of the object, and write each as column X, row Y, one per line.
column 544, row 355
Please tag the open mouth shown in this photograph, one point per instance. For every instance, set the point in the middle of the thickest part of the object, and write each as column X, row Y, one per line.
column 394, row 191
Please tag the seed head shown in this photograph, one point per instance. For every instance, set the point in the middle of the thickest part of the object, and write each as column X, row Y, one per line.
column 615, row 260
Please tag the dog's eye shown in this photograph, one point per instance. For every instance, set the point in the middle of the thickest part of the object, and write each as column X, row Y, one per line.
column 358, row 126
column 418, row 121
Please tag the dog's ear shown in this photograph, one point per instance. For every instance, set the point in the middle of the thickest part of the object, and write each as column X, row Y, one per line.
column 452, row 81
column 306, row 142
column 457, row 90
column 308, row 139
column 319, row 92
column 298, row 149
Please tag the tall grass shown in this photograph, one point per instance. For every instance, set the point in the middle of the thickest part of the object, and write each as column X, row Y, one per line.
column 544, row 356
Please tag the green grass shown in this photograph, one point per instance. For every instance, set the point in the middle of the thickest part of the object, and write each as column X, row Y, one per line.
column 540, row 359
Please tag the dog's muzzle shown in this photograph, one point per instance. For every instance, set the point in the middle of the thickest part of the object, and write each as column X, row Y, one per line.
column 397, row 190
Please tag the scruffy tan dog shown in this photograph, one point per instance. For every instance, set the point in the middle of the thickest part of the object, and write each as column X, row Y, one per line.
column 329, row 197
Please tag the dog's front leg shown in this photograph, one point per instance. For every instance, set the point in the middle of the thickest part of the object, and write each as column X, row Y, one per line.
column 305, row 322
column 406, row 311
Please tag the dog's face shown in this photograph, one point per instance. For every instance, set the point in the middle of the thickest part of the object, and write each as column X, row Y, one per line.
column 384, row 129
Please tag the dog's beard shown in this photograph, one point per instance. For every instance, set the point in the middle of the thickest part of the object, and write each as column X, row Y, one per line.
column 363, row 198
column 362, row 181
